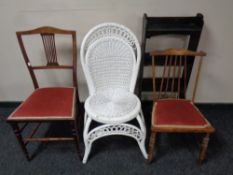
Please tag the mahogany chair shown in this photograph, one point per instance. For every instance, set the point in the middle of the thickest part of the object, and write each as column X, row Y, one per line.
column 47, row 104
column 172, row 112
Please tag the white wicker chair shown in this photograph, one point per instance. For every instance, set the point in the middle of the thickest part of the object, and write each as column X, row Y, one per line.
column 110, row 57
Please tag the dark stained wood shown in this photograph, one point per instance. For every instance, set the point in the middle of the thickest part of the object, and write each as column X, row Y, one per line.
column 48, row 139
column 148, row 84
column 48, row 35
column 46, row 30
column 203, row 148
column 75, row 131
column 24, row 126
column 177, row 52
column 50, row 49
column 18, row 135
column 33, row 132
column 151, row 146
column 190, row 26
column 48, row 39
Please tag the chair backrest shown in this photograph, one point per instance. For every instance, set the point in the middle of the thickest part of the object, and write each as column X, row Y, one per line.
column 169, row 76
column 48, row 38
column 110, row 57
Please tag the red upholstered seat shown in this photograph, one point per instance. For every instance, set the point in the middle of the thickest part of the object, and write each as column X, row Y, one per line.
column 178, row 113
column 47, row 103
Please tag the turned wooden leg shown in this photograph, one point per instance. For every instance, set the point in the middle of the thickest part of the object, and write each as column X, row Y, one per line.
column 20, row 139
column 151, row 146
column 203, row 148
column 76, row 137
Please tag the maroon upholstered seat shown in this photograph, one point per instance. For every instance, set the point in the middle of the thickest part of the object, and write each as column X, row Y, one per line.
column 47, row 104
column 177, row 112
column 172, row 112
column 44, row 103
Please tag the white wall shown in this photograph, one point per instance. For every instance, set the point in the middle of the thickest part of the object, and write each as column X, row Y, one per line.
column 217, row 40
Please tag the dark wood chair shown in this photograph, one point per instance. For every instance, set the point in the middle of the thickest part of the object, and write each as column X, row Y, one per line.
column 172, row 112
column 47, row 104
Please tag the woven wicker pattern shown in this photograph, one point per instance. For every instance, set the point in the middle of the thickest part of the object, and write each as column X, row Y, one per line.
column 122, row 129
column 118, row 48
column 113, row 105
column 110, row 63
column 110, row 56
column 111, row 30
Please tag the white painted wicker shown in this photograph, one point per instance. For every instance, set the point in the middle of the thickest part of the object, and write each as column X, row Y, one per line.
column 110, row 57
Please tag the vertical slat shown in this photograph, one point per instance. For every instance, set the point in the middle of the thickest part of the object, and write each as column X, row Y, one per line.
column 168, row 74
column 53, row 47
column 179, row 74
column 163, row 76
column 197, row 78
column 74, row 45
column 185, row 75
column 174, row 77
column 174, row 74
column 50, row 48
column 47, row 54
column 153, row 78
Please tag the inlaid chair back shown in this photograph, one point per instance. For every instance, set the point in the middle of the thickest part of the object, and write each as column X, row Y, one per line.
column 110, row 55
column 169, row 73
column 47, row 104
column 48, row 39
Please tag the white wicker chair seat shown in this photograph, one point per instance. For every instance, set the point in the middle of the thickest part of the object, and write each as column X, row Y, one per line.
column 110, row 57
column 113, row 106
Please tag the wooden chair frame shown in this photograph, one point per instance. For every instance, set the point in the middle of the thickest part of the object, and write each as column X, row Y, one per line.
column 152, row 26
column 48, row 37
column 179, row 57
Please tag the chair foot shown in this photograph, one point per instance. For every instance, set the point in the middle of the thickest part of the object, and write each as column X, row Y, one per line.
column 18, row 135
column 142, row 131
column 203, row 148
column 143, row 149
column 87, row 152
column 151, row 146
column 75, row 135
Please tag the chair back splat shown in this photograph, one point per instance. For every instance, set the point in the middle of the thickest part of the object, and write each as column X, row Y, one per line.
column 172, row 111
column 48, row 38
column 171, row 80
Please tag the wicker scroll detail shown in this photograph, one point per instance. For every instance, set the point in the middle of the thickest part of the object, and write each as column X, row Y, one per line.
column 119, row 129
column 111, row 30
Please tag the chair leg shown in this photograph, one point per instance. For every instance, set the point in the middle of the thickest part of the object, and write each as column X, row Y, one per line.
column 20, row 139
column 75, row 135
column 87, row 151
column 141, row 143
column 151, row 146
column 87, row 143
column 203, row 148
